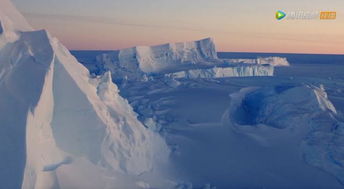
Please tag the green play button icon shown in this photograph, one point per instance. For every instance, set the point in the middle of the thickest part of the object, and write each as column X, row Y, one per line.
column 280, row 15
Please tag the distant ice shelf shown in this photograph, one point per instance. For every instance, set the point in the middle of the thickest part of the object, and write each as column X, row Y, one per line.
column 273, row 61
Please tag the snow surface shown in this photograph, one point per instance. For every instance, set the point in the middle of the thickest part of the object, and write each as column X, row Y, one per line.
column 11, row 22
column 301, row 114
column 278, row 132
column 278, row 146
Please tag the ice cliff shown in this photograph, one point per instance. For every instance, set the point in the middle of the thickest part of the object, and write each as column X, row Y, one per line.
column 163, row 57
column 222, row 72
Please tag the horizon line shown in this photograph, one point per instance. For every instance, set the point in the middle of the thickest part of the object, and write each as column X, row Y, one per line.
column 252, row 52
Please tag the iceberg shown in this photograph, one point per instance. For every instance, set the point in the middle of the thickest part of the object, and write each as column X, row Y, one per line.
column 222, row 72
column 164, row 57
column 120, row 72
column 60, row 127
column 273, row 61
column 190, row 60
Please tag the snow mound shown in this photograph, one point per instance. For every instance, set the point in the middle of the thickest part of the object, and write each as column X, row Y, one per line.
column 273, row 61
column 275, row 107
column 222, row 72
column 60, row 128
column 303, row 114
column 162, row 57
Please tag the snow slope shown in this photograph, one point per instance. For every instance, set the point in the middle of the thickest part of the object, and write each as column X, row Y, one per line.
column 60, row 128
column 11, row 23
column 267, row 140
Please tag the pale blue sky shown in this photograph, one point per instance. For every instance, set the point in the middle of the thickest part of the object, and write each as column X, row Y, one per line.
column 236, row 25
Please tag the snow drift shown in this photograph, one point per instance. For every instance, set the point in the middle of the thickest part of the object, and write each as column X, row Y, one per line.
column 59, row 127
column 301, row 117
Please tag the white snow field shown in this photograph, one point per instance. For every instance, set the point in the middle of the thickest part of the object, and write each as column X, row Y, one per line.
column 196, row 59
column 60, row 128
column 279, row 133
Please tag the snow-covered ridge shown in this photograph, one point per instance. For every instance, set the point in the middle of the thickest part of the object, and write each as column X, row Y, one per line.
column 11, row 19
column 11, row 22
column 57, row 123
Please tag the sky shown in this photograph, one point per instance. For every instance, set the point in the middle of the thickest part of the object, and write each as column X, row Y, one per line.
column 235, row 25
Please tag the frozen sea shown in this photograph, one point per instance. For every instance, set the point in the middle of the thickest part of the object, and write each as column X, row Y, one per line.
column 205, row 154
column 313, row 69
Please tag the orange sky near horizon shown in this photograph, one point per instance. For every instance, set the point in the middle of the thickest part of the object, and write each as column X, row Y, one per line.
column 234, row 25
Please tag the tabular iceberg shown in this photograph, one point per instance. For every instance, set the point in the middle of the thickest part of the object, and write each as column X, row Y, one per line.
column 60, row 128
column 164, row 57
